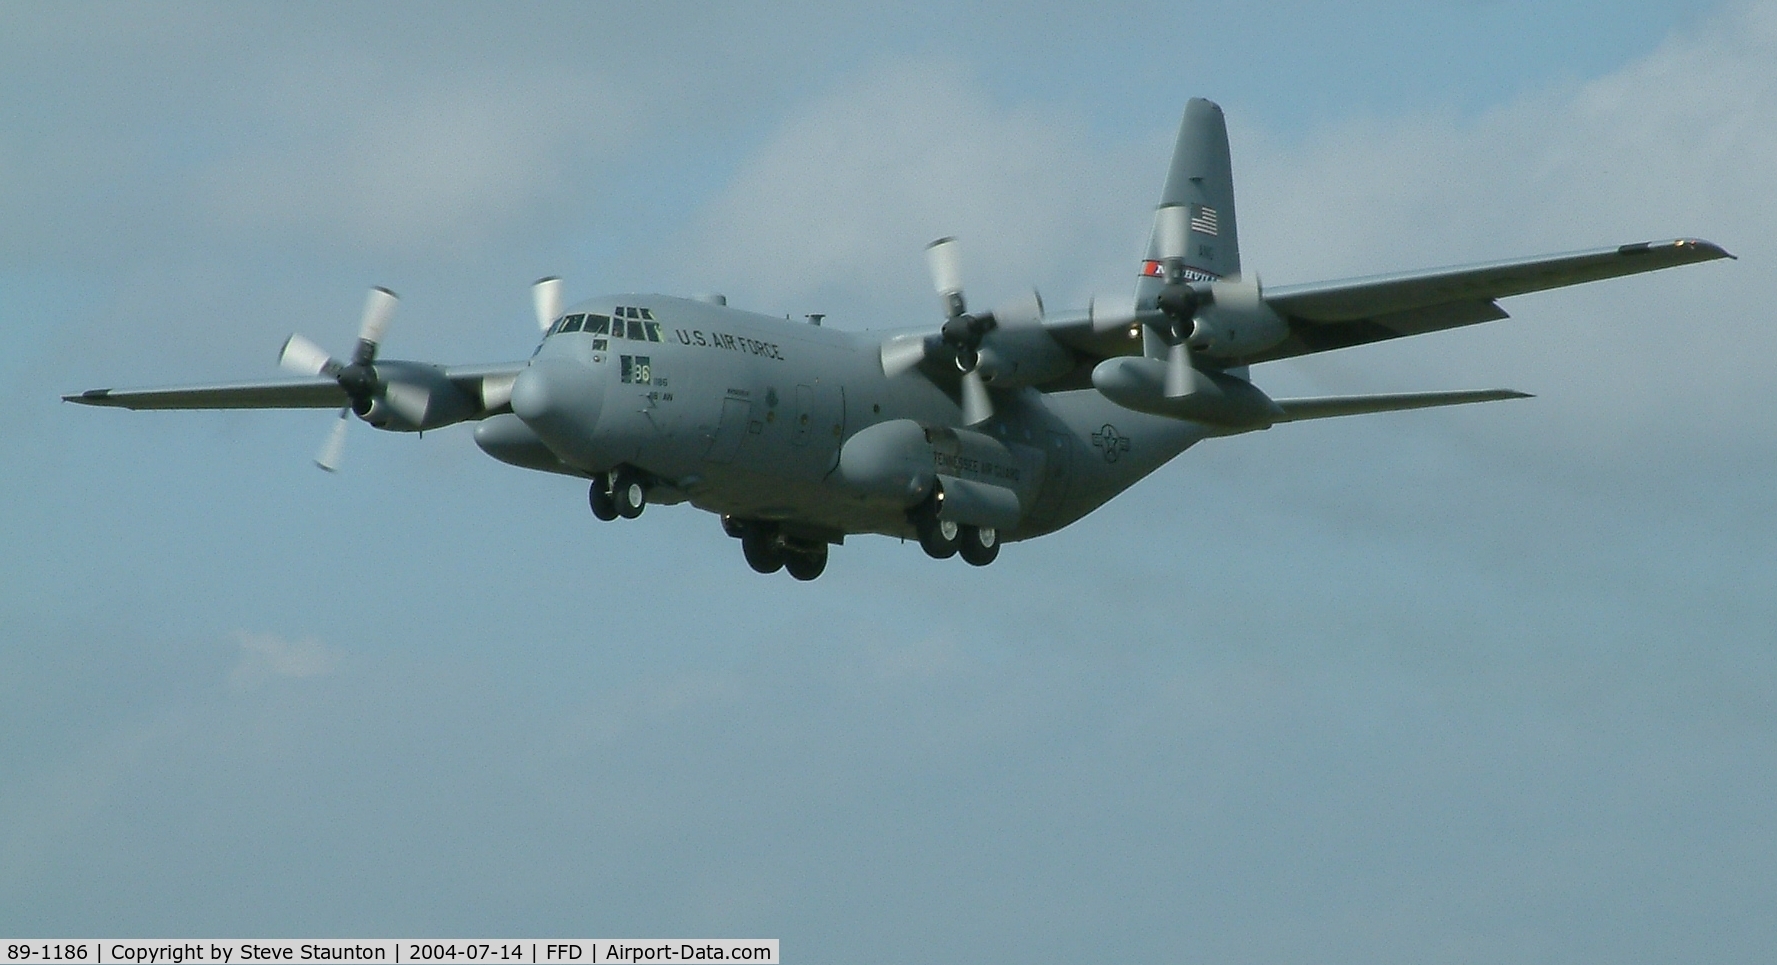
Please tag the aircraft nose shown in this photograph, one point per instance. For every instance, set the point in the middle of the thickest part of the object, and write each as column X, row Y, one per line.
column 560, row 401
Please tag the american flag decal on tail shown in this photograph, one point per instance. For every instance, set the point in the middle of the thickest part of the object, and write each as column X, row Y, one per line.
column 1203, row 219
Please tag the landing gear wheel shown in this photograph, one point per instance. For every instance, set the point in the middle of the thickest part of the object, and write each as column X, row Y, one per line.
column 805, row 565
column 939, row 538
column 763, row 552
column 979, row 544
column 628, row 493
column 600, row 496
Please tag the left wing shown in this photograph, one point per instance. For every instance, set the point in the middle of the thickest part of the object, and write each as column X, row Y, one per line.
column 1323, row 316
column 1329, row 315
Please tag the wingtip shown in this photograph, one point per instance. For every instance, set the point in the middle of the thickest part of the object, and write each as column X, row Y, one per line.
column 1709, row 247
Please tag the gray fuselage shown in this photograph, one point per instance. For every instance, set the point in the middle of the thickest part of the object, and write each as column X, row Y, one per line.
column 746, row 415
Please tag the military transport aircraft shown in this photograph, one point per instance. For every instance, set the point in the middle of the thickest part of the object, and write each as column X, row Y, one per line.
column 989, row 427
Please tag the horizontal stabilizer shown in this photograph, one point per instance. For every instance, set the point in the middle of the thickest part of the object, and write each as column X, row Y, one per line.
column 1297, row 410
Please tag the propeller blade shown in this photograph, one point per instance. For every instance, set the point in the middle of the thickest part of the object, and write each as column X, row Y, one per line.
column 408, row 400
column 378, row 307
column 943, row 258
column 1182, row 378
column 334, row 447
column 546, row 297
column 902, row 353
column 1172, row 223
column 303, row 357
column 977, row 404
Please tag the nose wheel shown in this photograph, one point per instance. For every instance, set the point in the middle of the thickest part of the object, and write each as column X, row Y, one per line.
column 623, row 492
column 603, row 506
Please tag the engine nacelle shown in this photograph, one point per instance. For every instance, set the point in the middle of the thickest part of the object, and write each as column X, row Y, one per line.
column 1019, row 351
column 414, row 397
column 1236, row 323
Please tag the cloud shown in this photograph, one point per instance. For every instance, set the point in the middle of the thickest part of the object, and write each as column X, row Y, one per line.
column 265, row 658
column 363, row 153
column 844, row 197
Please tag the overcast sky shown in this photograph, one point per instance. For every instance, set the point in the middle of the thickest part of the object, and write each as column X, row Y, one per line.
column 1495, row 683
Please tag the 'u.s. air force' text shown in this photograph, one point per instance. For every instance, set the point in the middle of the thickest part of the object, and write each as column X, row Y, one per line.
column 733, row 343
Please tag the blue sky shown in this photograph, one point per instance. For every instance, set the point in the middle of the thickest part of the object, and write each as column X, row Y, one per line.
column 1441, row 686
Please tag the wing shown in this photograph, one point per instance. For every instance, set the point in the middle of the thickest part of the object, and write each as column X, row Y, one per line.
column 1337, row 314
column 277, row 394
column 491, row 384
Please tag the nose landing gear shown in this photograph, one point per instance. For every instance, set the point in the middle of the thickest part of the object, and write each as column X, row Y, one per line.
column 623, row 492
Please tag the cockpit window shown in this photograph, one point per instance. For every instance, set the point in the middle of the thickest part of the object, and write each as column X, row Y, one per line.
column 555, row 327
column 636, row 331
column 647, row 314
column 598, row 324
column 653, row 330
column 572, row 323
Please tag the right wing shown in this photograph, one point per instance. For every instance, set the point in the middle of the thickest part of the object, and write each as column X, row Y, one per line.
column 490, row 385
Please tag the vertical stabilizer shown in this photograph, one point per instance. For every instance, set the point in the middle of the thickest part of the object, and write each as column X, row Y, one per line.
column 1202, row 179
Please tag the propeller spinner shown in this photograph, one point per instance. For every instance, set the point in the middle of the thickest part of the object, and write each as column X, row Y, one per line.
column 357, row 377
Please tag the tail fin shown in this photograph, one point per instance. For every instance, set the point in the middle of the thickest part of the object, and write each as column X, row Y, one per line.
column 1202, row 177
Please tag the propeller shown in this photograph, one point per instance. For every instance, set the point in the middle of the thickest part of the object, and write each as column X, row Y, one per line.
column 1179, row 301
column 962, row 333
column 358, row 377
column 546, row 296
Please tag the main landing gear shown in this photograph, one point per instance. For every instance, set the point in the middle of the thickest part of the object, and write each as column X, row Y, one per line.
column 622, row 492
column 942, row 539
column 768, row 550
